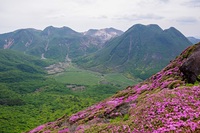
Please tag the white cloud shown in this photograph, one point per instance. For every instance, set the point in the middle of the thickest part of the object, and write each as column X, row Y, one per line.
column 192, row 3
column 134, row 17
column 187, row 20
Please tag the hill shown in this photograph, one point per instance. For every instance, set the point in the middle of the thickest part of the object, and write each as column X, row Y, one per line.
column 56, row 43
column 166, row 102
column 20, row 74
column 193, row 40
column 17, row 67
column 141, row 51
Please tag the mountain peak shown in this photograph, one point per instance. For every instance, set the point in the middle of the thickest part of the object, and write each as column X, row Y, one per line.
column 173, row 32
column 155, row 27
column 141, row 27
column 104, row 34
column 172, row 29
column 57, row 28
column 50, row 30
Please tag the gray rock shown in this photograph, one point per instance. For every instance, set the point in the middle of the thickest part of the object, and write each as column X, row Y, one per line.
column 191, row 67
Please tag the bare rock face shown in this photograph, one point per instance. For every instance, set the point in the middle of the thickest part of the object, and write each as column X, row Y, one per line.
column 191, row 67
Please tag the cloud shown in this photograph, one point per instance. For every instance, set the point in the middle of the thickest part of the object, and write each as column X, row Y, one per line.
column 56, row 16
column 164, row 1
column 84, row 1
column 152, row 2
column 187, row 20
column 140, row 17
column 192, row 3
column 100, row 17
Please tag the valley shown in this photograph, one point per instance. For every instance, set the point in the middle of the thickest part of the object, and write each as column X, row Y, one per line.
column 51, row 74
column 74, row 75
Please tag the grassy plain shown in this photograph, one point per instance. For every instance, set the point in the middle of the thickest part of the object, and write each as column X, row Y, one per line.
column 75, row 75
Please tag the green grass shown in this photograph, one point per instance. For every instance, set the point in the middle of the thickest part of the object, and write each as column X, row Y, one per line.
column 119, row 79
column 74, row 75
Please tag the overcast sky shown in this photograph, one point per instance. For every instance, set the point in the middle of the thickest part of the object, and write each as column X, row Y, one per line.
column 81, row 15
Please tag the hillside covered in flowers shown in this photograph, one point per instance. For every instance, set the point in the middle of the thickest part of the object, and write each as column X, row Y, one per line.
column 169, row 101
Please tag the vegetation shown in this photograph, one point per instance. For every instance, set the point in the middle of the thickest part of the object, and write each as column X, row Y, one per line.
column 28, row 97
column 75, row 75
column 22, row 112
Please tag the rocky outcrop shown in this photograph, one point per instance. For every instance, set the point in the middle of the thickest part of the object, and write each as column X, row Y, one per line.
column 191, row 67
column 57, row 68
column 104, row 34
column 9, row 43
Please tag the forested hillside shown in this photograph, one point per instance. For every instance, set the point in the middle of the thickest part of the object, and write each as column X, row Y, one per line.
column 29, row 97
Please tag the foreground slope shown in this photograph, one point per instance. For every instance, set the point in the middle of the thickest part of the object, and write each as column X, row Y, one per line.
column 141, row 51
column 165, row 102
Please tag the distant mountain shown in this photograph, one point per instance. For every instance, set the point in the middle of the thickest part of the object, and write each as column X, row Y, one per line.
column 193, row 40
column 163, row 103
column 141, row 51
column 56, row 43
column 21, row 40
column 104, row 34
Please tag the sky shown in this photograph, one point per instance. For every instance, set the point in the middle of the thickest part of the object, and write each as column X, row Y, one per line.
column 82, row 15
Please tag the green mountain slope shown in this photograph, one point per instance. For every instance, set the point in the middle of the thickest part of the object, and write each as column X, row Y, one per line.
column 16, row 68
column 141, row 50
column 166, row 102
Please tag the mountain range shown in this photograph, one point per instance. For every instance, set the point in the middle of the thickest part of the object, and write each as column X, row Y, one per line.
column 166, row 102
column 141, row 51
column 57, row 43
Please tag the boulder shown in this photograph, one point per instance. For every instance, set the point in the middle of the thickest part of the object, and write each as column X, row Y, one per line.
column 191, row 67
